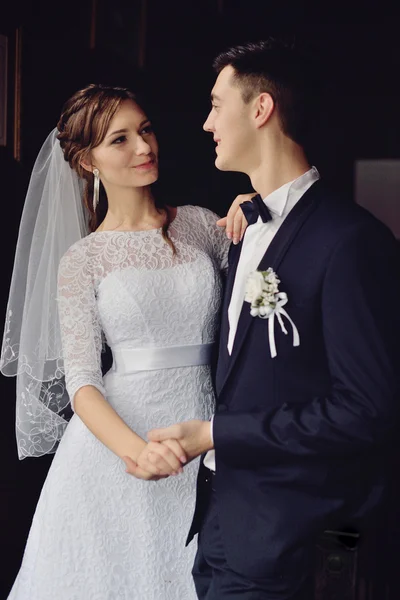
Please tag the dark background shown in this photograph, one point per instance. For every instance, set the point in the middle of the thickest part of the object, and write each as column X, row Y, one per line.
column 164, row 49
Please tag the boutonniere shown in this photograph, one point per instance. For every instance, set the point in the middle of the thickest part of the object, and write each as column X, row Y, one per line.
column 267, row 302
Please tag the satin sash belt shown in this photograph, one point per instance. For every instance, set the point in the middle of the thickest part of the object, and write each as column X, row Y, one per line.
column 130, row 360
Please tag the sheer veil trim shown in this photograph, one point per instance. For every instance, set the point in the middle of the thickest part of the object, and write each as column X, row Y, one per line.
column 52, row 220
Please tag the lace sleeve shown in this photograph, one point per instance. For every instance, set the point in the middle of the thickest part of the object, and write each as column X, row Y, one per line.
column 217, row 237
column 79, row 323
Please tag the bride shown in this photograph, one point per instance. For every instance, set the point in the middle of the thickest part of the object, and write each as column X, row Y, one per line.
column 146, row 280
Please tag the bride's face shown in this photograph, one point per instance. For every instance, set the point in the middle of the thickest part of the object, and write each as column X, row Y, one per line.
column 128, row 155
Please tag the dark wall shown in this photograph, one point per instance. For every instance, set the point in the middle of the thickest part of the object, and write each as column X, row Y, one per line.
column 360, row 61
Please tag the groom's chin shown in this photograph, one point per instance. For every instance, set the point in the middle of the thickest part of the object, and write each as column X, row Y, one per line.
column 221, row 164
column 225, row 166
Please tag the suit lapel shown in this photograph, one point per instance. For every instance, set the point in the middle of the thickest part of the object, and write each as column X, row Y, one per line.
column 273, row 258
column 223, row 355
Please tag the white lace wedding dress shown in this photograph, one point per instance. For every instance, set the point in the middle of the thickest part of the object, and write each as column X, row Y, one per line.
column 99, row 533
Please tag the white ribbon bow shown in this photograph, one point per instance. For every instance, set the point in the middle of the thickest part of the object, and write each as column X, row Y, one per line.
column 278, row 311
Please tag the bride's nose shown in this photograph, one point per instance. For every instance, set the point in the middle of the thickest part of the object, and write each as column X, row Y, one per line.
column 142, row 147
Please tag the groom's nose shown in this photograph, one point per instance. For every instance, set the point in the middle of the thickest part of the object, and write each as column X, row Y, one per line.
column 208, row 126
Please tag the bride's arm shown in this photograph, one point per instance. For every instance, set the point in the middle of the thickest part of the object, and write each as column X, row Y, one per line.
column 235, row 222
column 82, row 343
column 102, row 420
column 235, row 225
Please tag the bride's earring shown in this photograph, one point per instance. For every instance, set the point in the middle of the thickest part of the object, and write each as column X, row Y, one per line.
column 96, row 188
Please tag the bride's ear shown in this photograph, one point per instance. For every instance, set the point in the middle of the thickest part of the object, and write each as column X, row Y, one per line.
column 87, row 166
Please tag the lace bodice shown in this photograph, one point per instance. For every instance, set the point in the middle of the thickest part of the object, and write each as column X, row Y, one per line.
column 128, row 286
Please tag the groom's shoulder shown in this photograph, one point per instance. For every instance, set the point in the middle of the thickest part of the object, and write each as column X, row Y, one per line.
column 338, row 214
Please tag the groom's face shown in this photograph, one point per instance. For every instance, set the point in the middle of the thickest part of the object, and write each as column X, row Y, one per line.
column 231, row 125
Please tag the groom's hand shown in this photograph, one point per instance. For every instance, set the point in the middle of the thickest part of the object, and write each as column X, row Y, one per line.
column 157, row 460
column 194, row 437
column 162, row 459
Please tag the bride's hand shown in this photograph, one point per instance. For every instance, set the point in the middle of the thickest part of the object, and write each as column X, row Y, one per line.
column 235, row 222
column 133, row 469
column 162, row 459
column 152, row 473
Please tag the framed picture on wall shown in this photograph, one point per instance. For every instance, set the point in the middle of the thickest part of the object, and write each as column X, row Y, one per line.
column 17, row 94
column 10, row 91
column 3, row 88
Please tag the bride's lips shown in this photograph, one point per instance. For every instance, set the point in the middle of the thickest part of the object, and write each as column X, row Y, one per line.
column 146, row 166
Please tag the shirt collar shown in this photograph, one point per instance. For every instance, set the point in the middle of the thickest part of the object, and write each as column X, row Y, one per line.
column 277, row 200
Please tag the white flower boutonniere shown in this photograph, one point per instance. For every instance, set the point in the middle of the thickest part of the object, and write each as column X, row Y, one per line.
column 267, row 302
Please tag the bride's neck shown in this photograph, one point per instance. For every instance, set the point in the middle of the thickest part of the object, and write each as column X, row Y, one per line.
column 130, row 209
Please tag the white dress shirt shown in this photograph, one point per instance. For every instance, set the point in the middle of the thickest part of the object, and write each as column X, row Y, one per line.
column 255, row 244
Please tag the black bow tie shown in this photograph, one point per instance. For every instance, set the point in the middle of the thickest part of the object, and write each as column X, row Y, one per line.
column 254, row 209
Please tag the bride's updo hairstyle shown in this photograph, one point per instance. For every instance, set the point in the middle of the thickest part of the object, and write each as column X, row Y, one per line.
column 82, row 126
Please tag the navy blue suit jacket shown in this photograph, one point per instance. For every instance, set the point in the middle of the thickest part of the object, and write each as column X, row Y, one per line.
column 303, row 440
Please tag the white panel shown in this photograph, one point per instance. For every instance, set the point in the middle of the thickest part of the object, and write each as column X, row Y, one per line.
column 377, row 188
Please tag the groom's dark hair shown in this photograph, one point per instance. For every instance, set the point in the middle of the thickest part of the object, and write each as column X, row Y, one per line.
column 274, row 67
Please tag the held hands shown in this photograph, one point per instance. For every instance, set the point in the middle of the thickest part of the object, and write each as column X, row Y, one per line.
column 235, row 222
column 169, row 448
column 194, row 437
column 157, row 461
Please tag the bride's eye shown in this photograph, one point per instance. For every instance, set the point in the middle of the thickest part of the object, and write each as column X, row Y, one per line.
column 146, row 130
column 120, row 140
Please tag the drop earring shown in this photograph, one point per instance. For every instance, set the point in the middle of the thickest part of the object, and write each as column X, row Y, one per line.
column 96, row 188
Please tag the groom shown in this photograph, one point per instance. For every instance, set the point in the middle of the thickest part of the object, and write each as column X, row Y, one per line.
column 307, row 377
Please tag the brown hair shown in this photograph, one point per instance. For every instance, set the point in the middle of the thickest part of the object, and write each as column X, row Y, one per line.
column 82, row 126
column 284, row 72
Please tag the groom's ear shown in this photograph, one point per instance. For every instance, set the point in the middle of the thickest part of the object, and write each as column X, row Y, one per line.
column 264, row 107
